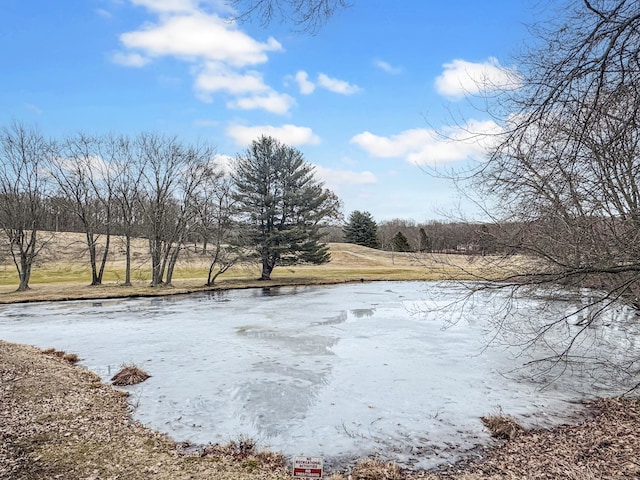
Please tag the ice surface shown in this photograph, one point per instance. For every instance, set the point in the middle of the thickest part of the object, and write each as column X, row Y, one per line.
column 338, row 371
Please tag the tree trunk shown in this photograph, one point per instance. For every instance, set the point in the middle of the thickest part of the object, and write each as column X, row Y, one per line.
column 173, row 259
column 25, row 272
column 268, row 263
column 210, row 277
column 24, row 257
column 91, row 243
column 103, row 261
column 127, row 260
column 156, row 257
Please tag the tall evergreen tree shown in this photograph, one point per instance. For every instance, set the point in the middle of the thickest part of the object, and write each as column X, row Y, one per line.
column 361, row 229
column 399, row 243
column 425, row 241
column 283, row 205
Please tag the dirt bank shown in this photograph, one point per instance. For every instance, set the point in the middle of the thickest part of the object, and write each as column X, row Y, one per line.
column 60, row 421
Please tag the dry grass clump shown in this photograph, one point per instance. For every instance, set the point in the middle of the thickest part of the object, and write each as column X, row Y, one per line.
column 242, row 448
column 71, row 358
column 502, row 427
column 246, row 448
column 242, row 453
column 369, row 469
column 129, row 375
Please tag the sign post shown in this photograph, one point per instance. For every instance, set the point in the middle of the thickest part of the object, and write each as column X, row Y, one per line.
column 307, row 467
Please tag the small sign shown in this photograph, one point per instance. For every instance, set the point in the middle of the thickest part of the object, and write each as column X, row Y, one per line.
column 307, row 467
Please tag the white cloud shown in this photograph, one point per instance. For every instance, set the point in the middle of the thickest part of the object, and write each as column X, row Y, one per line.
column 182, row 6
column 92, row 165
column 273, row 102
column 289, row 134
column 305, row 85
column 423, row 146
column 387, row 67
column 336, row 86
column 218, row 52
column 104, row 13
column 199, row 36
column 34, row 108
column 222, row 7
column 216, row 76
column 168, row 6
column 394, row 146
column 334, row 177
column 129, row 59
column 203, row 122
column 223, row 163
column 461, row 78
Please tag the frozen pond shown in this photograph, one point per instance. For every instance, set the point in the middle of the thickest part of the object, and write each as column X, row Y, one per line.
column 339, row 371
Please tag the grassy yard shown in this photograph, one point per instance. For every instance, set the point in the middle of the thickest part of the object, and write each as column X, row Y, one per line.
column 63, row 272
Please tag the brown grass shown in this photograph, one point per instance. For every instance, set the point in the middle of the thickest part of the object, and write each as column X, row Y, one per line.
column 71, row 358
column 129, row 375
column 62, row 271
column 502, row 427
column 370, row 469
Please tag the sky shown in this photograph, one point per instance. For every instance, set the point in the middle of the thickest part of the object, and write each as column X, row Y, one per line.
column 365, row 99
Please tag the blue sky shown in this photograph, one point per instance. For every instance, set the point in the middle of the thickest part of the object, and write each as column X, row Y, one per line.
column 361, row 98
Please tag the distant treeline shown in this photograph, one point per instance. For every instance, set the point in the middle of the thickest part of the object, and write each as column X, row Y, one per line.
column 442, row 237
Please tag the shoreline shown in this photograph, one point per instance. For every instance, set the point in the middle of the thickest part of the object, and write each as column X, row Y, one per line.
column 64, row 275
column 110, row 291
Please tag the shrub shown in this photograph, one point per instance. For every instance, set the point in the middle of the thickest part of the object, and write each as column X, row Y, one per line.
column 129, row 375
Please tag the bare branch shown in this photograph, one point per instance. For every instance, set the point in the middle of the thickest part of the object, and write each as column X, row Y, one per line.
column 308, row 16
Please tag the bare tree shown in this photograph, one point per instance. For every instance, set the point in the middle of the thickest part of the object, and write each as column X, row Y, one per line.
column 216, row 211
column 127, row 165
column 566, row 171
column 24, row 155
column 307, row 15
column 192, row 181
column 172, row 177
column 85, row 184
column 162, row 158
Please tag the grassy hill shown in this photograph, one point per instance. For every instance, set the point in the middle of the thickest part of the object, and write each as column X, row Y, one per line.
column 63, row 271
